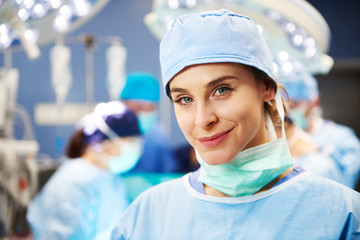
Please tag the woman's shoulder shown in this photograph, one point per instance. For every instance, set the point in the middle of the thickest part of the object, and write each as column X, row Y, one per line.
column 318, row 188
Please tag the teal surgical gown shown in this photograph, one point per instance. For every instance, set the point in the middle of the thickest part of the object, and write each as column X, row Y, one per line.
column 305, row 207
column 80, row 201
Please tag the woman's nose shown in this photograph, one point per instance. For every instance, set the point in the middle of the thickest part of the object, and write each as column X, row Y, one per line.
column 205, row 116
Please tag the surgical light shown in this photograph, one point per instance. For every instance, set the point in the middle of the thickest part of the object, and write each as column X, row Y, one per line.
column 49, row 17
column 291, row 25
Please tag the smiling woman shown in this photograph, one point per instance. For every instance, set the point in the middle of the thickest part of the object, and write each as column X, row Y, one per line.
column 217, row 70
column 224, row 105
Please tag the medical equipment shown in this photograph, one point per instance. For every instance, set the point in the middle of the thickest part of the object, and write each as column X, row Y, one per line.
column 18, row 179
column 116, row 74
column 61, row 77
column 65, row 113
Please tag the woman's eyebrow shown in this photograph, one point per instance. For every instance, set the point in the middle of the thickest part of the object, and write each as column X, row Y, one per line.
column 218, row 80
column 181, row 90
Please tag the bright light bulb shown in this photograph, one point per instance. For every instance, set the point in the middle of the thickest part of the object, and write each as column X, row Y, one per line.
column 39, row 10
column 55, row 4
column 309, row 42
column 310, row 52
column 190, row 3
column 283, row 56
column 31, row 35
column 290, row 27
column 287, row 68
column 5, row 41
column 4, row 29
column 65, row 11
column 274, row 15
column 297, row 40
column 23, row 14
column 173, row 4
column 61, row 23
column 28, row 3
column 81, row 7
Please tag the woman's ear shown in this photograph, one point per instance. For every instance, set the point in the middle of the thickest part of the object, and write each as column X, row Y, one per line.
column 269, row 91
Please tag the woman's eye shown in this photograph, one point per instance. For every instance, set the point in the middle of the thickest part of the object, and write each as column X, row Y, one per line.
column 184, row 100
column 222, row 91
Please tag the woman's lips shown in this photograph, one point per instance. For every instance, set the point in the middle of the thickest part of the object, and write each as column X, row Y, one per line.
column 215, row 139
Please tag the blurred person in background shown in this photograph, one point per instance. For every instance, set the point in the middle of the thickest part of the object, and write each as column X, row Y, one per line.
column 339, row 141
column 141, row 94
column 186, row 156
column 86, row 194
column 308, row 155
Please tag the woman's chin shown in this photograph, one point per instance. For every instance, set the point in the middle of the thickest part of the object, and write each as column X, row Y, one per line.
column 213, row 158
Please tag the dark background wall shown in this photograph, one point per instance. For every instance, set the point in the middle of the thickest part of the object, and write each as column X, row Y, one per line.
column 340, row 90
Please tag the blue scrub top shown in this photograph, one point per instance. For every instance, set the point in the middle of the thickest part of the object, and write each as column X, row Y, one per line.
column 80, row 201
column 344, row 147
column 306, row 206
column 158, row 156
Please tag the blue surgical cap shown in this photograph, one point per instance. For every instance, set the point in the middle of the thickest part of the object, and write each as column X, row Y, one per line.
column 117, row 118
column 212, row 37
column 300, row 86
column 141, row 86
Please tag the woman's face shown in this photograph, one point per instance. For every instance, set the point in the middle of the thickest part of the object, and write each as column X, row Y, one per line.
column 220, row 109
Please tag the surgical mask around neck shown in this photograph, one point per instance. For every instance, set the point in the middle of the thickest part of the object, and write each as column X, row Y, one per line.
column 146, row 121
column 127, row 160
column 251, row 169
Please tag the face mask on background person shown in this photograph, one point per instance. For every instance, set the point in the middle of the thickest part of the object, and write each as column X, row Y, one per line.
column 146, row 120
column 298, row 117
column 130, row 154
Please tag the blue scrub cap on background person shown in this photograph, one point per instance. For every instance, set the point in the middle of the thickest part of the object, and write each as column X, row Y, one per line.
column 118, row 118
column 141, row 86
column 212, row 37
column 300, row 87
